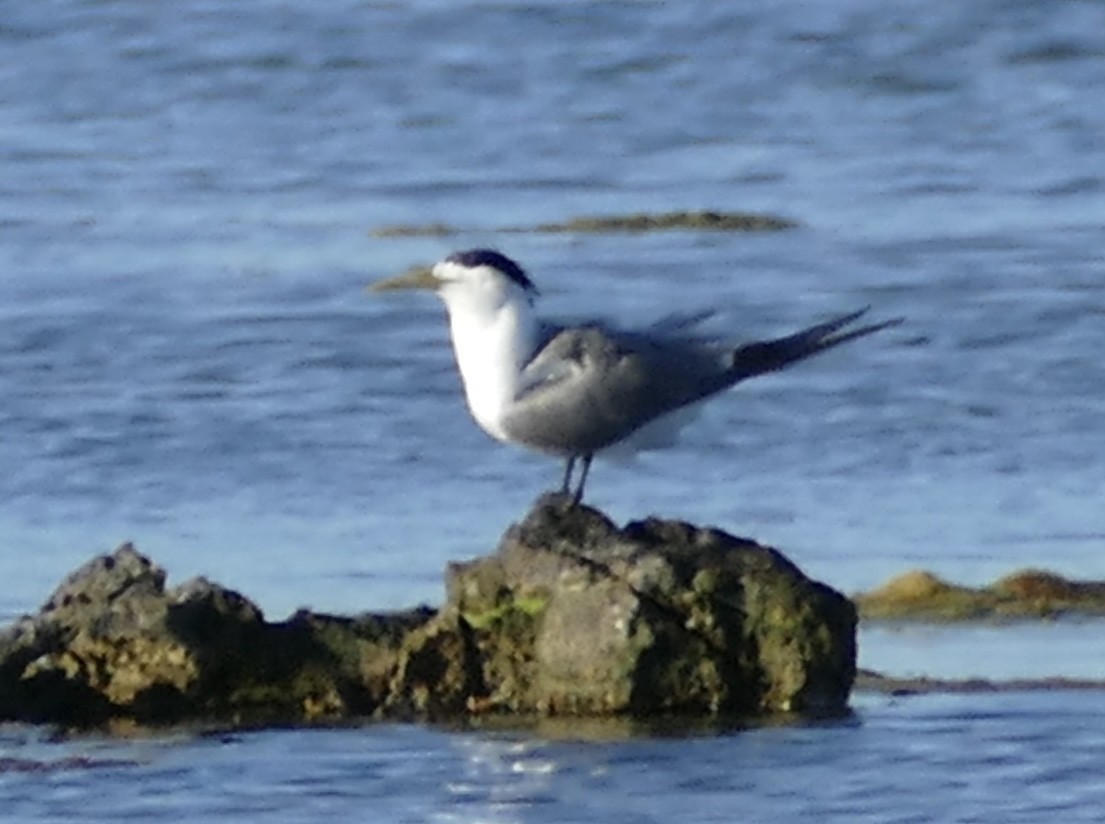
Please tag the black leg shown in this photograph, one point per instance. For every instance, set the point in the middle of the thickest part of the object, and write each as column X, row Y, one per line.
column 564, row 487
column 582, row 479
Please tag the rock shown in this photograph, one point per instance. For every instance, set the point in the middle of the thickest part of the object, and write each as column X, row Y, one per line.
column 921, row 596
column 573, row 616
column 877, row 682
column 918, row 592
column 570, row 617
column 113, row 642
column 704, row 220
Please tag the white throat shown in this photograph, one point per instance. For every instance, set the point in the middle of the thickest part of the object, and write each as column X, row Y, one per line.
column 492, row 342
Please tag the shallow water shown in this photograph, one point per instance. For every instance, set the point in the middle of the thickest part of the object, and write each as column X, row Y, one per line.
column 986, row 758
column 187, row 359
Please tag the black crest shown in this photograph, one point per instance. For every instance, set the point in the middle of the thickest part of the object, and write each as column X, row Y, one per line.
column 496, row 260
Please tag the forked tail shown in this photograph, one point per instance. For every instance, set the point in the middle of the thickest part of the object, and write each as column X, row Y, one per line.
column 772, row 355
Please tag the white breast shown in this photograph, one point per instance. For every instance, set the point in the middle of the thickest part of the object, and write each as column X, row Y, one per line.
column 491, row 351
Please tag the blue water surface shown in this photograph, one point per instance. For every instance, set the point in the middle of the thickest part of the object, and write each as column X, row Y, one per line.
column 188, row 194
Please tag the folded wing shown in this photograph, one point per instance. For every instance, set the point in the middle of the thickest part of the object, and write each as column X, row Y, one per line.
column 589, row 387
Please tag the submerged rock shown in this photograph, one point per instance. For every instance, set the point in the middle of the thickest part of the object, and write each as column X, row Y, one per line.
column 1030, row 593
column 571, row 616
column 708, row 221
column 871, row 681
column 705, row 220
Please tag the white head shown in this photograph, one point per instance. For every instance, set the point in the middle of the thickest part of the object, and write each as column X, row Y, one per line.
column 476, row 283
column 494, row 330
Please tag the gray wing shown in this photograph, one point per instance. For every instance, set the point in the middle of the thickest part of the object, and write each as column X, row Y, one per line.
column 589, row 387
column 681, row 327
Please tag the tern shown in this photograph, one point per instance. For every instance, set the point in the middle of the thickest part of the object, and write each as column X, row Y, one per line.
column 575, row 391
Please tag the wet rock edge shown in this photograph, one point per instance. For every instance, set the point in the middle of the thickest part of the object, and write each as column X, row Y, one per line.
column 571, row 617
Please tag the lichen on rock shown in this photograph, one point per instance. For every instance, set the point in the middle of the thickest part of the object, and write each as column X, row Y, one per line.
column 570, row 617
column 573, row 616
column 919, row 595
column 114, row 642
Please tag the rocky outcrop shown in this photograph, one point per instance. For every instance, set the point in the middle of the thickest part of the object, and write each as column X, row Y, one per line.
column 1027, row 594
column 571, row 616
column 574, row 616
column 114, row 642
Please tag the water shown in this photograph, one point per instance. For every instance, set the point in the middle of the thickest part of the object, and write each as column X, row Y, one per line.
column 1020, row 758
column 187, row 359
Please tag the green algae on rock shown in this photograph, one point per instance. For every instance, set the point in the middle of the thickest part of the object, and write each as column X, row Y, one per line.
column 113, row 642
column 921, row 596
column 571, row 617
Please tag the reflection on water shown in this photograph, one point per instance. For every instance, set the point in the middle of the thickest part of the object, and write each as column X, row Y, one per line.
column 987, row 758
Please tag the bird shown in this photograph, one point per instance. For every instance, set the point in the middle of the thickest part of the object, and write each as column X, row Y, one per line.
column 574, row 391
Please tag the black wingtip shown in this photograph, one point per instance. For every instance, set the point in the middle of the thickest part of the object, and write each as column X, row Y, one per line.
column 772, row 355
column 862, row 331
